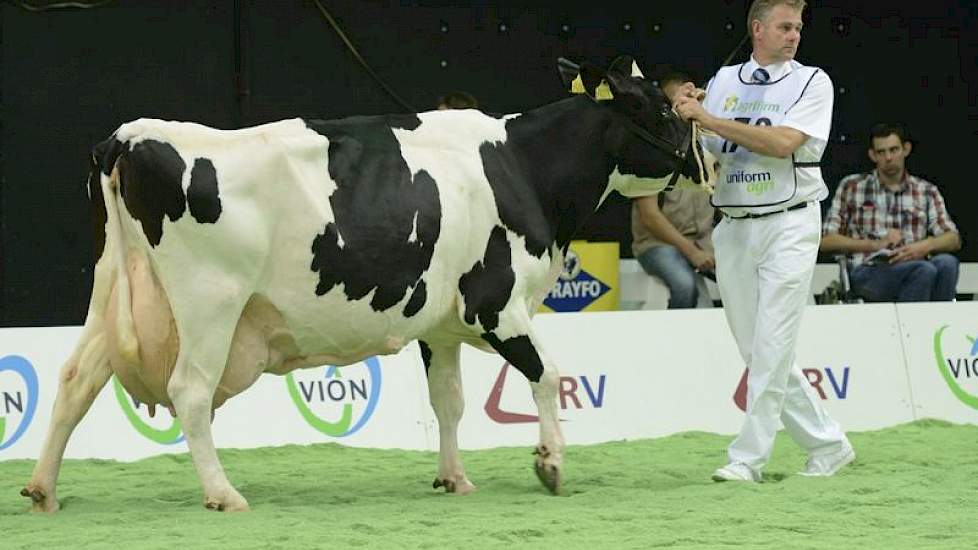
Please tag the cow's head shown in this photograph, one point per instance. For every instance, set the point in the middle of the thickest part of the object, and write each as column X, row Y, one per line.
column 652, row 147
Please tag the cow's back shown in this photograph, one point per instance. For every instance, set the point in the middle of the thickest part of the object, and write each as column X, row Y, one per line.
column 356, row 231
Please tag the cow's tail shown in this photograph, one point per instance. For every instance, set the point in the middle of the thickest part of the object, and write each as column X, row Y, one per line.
column 111, row 247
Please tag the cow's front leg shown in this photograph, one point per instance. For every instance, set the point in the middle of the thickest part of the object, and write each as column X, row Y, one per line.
column 519, row 349
column 81, row 379
column 200, row 363
column 441, row 363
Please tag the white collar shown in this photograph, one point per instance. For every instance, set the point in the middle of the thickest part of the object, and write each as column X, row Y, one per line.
column 776, row 70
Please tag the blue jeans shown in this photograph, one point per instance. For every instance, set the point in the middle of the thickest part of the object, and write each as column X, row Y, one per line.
column 668, row 263
column 930, row 280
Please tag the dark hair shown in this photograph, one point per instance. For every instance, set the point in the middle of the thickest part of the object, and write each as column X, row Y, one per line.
column 458, row 100
column 673, row 75
column 886, row 129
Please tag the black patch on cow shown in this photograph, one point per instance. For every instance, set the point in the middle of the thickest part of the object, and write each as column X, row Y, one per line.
column 106, row 153
column 487, row 286
column 151, row 175
column 549, row 174
column 387, row 218
column 99, row 215
column 520, row 353
column 203, row 196
column 404, row 122
column 418, row 298
column 425, row 355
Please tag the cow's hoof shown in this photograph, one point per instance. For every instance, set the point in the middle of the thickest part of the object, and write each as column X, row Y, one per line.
column 462, row 487
column 547, row 472
column 233, row 502
column 39, row 499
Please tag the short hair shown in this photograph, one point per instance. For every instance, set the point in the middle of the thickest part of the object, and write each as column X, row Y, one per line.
column 886, row 129
column 674, row 76
column 760, row 9
column 458, row 100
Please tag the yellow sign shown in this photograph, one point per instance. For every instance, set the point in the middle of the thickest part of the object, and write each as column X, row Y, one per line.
column 589, row 280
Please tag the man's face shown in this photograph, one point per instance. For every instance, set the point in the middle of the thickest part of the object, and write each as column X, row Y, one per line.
column 779, row 34
column 890, row 155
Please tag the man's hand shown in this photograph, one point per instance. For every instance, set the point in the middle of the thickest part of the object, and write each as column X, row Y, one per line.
column 701, row 260
column 892, row 239
column 913, row 251
column 689, row 108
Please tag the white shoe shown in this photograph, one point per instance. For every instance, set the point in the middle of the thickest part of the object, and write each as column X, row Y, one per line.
column 736, row 472
column 828, row 464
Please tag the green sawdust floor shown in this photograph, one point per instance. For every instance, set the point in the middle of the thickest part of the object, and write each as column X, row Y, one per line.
column 912, row 486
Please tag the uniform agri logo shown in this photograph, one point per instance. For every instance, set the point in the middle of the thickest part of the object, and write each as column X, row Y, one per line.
column 336, row 402
column 164, row 430
column 577, row 392
column 18, row 398
column 956, row 354
column 575, row 289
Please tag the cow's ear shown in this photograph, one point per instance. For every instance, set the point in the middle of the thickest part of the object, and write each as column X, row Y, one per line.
column 568, row 72
column 584, row 79
column 625, row 65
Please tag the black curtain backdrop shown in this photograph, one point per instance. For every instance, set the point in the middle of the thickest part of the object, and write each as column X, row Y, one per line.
column 71, row 76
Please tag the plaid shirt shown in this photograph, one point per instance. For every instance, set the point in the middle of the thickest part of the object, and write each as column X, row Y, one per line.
column 865, row 209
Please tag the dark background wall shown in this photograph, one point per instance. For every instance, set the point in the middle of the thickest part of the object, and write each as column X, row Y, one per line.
column 71, row 76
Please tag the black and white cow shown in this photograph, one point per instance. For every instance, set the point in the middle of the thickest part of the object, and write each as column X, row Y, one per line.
column 226, row 254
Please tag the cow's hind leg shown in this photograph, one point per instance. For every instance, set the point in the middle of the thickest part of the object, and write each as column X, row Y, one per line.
column 514, row 340
column 205, row 341
column 81, row 379
column 445, row 392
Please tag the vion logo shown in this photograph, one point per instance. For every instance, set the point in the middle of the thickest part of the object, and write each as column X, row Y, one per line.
column 957, row 360
column 575, row 289
column 18, row 398
column 575, row 392
column 336, row 404
column 165, row 430
column 828, row 383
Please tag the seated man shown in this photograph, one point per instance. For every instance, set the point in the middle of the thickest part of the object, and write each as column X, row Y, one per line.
column 896, row 227
column 671, row 232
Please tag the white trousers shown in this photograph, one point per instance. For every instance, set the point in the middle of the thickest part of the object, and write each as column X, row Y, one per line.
column 764, row 272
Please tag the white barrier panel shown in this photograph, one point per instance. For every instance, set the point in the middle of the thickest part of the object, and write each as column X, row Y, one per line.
column 625, row 375
column 377, row 403
column 942, row 359
column 667, row 382
column 854, row 360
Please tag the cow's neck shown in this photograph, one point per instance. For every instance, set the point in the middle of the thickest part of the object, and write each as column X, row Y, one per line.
column 568, row 158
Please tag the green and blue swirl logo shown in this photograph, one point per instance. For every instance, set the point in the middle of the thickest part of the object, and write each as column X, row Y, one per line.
column 18, row 398
column 166, row 435
column 336, row 404
column 957, row 361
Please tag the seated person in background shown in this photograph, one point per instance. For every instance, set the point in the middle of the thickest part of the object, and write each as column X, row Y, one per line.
column 671, row 231
column 457, row 100
column 896, row 227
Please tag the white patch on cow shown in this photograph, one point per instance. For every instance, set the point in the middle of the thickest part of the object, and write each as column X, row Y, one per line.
column 340, row 243
column 413, row 237
column 632, row 186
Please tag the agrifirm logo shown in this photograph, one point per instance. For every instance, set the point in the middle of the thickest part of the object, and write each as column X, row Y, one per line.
column 828, row 383
column 733, row 104
column 581, row 392
column 164, row 430
column 956, row 353
column 336, row 402
column 18, row 398
column 575, row 288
